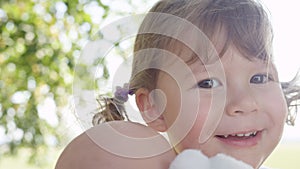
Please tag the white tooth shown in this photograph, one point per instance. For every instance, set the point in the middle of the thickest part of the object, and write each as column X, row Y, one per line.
column 254, row 133
column 248, row 134
column 240, row 135
column 225, row 136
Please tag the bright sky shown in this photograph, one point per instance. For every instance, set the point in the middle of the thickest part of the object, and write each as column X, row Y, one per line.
column 286, row 24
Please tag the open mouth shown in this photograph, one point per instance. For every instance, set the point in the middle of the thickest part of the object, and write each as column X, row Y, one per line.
column 240, row 136
column 241, row 139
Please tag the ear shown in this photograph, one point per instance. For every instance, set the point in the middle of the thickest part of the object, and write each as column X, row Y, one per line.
column 149, row 110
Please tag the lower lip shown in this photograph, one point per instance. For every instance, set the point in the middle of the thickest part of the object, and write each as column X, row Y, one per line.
column 242, row 142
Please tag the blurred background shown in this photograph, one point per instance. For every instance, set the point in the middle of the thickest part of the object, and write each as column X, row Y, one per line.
column 40, row 44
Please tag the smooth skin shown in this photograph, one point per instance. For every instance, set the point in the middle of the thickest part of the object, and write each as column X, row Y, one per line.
column 253, row 103
column 89, row 152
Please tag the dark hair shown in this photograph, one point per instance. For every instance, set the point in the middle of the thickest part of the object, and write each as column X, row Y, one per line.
column 109, row 110
column 245, row 24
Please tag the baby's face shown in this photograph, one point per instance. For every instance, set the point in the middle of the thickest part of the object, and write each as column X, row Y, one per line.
column 234, row 106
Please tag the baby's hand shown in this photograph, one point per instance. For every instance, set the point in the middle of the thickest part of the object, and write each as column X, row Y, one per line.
column 194, row 159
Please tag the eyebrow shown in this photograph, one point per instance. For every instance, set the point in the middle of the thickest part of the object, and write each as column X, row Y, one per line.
column 202, row 64
column 197, row 69
column 269, row 65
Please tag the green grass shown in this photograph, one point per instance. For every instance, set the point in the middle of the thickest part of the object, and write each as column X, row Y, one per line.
column 286, row 156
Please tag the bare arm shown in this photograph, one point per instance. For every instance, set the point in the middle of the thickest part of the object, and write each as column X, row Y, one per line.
column 116, row 145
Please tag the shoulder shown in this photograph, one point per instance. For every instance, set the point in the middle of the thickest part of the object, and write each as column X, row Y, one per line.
column 117, row 144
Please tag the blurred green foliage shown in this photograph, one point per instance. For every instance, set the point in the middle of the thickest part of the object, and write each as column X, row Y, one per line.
column 39, row 43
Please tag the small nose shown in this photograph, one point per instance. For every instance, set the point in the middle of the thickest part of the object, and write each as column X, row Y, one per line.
column 240, row 100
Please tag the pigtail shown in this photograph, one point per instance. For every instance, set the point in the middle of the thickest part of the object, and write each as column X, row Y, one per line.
column 112, row 108
column 292, row 94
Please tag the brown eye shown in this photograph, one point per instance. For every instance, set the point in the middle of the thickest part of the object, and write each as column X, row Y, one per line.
column 209, row 83
column 261, row 78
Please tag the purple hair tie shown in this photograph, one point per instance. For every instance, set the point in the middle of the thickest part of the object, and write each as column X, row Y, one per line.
column 121, row 93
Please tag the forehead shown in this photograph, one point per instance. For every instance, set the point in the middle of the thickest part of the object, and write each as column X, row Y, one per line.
column 199, row 50
column 206, row 50
column 214, row 63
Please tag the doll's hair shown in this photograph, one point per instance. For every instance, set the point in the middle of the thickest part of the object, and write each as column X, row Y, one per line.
column 245, row 24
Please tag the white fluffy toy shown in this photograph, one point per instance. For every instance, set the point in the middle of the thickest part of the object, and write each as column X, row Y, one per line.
column 194, row 159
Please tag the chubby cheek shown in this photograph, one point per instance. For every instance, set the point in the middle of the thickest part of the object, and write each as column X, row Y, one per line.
column 194, row 121
column 274, row 106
